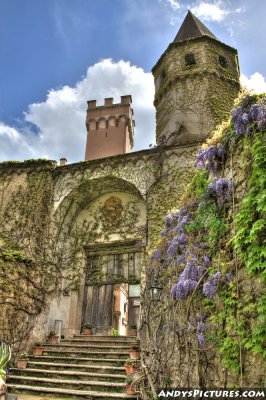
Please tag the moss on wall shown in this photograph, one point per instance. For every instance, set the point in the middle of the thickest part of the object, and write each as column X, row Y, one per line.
column 205, row 89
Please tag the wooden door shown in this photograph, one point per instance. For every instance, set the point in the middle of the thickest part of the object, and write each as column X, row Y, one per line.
column 98, row 307
column 105, row 272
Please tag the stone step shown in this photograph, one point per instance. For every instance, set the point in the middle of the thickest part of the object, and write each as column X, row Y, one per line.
column 95, row 338
column 98, row 342
column 45, row 396
column 83, row 367
column 84, row 352
column 81, row 394
column 78, row 367
column 67, row 383
column 91, row 345
column 94, row 361
column 38, row 372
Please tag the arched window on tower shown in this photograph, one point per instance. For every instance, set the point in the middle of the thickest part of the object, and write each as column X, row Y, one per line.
column 102, row 123
column 223, row 62
column 190, row 59
column 162, row 76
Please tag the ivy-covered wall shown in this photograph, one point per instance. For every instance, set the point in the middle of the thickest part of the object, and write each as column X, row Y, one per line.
column 50, row 213
column 209, row 329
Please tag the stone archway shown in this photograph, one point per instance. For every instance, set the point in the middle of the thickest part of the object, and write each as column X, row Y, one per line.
column 114, row 214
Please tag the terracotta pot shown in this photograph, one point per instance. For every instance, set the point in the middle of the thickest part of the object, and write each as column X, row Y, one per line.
column 130, row 369
column 87, row 331
column 134, row 354
column 133, row 332
column 129, row 390
column 37, row 350
column 22, row 363
column 53, row 339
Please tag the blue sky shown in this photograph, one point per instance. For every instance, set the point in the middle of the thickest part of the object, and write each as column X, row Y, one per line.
column 56, row 54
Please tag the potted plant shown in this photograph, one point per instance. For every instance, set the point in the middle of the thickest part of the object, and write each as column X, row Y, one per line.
column 37, row 349
column 87, row 329
column 53, row 338
column 115, row 332
column 134, row 352
column 128, row 366
column 135, row 366
column 131, row 366
column 23, row 360
column 129, row 389
column 132, row 327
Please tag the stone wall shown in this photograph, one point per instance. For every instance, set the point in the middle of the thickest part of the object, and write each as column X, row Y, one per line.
column 106, row 201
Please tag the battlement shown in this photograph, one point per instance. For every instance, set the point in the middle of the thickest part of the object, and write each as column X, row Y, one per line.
column 109, row 102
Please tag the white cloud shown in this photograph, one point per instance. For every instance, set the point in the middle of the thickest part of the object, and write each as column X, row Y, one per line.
column 256, row 82
column 60, row 119
column 210, row 11
column 175, row 5
column 14, row 144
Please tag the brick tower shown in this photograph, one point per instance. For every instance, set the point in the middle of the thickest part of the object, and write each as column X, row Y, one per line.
column 110, row 128
column 196, row 82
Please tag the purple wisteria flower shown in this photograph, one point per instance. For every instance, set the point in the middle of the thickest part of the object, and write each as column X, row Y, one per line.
column 156, row 255
column 180, row 260
column 210, row 287
column 168, row 221
column 245, row 114
column 188, row 280
column 173, row 248
column 183, row 288
column 177, row 245
column 201, row 338
column 198, row 326
column 211, row 158
column 206, row 261
column 221, row 190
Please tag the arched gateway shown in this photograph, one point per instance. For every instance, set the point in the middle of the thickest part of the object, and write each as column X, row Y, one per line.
column 110, row 214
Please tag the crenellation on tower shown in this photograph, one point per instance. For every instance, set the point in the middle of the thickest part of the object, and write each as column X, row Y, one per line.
column 110, row 128
column 92, row 104
column 108, row 101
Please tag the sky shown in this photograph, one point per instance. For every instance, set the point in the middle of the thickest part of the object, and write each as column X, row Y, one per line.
column 57, row 54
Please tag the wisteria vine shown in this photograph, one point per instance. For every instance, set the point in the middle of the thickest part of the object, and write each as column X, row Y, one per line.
column 185, row 242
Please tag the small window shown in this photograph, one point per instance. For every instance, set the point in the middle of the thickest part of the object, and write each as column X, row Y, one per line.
column 223, row 62
column 162, row 76
column 190, row 59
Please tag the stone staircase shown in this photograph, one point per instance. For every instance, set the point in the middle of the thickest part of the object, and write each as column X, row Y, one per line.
column 84, row 367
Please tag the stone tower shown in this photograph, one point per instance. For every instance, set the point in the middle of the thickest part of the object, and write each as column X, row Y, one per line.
column 110, row 128
column 196, row 82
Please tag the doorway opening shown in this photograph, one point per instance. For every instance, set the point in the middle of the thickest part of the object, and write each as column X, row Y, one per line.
column 112, row 287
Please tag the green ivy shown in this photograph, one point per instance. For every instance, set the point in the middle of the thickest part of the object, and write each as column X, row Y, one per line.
column 250, row 238
column 235, row 239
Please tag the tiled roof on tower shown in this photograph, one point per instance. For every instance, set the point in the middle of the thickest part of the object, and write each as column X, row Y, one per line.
column 192, row 27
